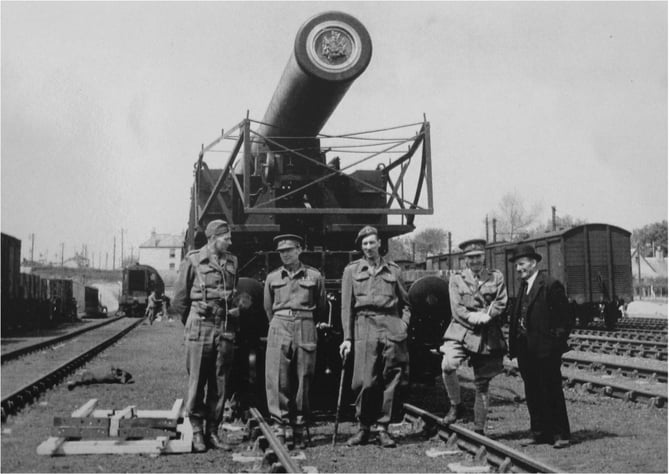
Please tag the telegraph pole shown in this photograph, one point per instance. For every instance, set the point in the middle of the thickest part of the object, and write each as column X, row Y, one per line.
column 487, row 236
column 114, row 255
column 554, row 218
column 121, row 247
column 32, row 247
column 494, row 229
column 62, row 254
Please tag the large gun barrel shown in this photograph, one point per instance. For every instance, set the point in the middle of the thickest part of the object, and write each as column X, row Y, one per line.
column 331, row 50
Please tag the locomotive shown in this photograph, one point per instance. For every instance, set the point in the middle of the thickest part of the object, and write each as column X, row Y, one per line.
column 284, row 176
column 138, row 283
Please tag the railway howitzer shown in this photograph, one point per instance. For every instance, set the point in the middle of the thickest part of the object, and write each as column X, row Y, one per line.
column 282, row 175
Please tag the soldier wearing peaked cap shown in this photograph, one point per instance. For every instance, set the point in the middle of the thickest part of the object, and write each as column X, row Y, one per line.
column 478, row 299
column 203, row 297
column 294, row 302
column 375, row 319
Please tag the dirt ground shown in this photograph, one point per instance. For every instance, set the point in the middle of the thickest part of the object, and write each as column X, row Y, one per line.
column 609, row 435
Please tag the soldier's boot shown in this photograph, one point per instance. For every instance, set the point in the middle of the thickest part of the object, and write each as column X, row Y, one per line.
column 280, row 433
column 360, row 438
column 385, row 439
column 199, row 446
column 453, row 390
column 454, row 413
column 300, row 440
column 480, row 412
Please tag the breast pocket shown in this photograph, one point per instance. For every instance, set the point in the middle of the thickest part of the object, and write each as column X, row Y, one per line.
column 489, row 292
column 307, row 289
column 280, row 291
column 389, row 282
column 210, row 277
column 361, row 284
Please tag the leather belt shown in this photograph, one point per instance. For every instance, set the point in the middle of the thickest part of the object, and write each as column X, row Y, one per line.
column 294, row 313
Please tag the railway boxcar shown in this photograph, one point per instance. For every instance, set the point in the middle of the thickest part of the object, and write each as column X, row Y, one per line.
column 11, row 280
column 138, row 282
column 592, row 260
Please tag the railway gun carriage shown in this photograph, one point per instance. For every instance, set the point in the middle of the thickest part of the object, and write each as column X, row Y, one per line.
column 282, row 175
column 592, row 260
column 138, row 283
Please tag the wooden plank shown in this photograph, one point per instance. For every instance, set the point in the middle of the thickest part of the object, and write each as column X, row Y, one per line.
column 156, row 446
column 50, row 446
column 176, row 408
column 85, row 409
column 127, row 412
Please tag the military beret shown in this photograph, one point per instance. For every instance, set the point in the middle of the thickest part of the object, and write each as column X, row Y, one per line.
column 364, row 232
column 473, row 247
column 216, row 227
column 287, row 241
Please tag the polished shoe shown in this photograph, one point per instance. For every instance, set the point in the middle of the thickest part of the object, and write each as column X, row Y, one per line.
column 216, row 443
column 454, row 413
column 561, row 443
column 537, row 438
column 386, row 440
column 199, row 446
column 360, row 438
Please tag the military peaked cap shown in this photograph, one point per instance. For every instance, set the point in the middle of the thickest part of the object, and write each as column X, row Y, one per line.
column 524, row 250
column 288, row 241
column 216, row 227
column 473, row 247
column 364, row 232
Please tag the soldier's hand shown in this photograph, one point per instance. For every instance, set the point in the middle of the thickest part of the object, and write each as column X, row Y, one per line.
column 344, row 349
column 479, row 318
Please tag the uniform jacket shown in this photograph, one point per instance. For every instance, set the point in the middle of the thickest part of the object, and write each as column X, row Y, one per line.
column 487, row 295
column 305, row 291
column 379, row 290
column 548, row 321
column 204, row 277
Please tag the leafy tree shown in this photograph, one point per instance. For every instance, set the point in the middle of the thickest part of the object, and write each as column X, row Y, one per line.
column 399, row 248
column 418, row 246
column 650, row 235
column 561, row 222
column 514, row 218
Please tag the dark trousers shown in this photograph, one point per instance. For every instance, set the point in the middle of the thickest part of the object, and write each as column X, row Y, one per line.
column 543, row 392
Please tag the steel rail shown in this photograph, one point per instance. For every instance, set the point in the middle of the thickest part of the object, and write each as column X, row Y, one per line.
column 616, row 368
column 611, row 389
column 625, row 347
column 274, row 450
column 605, row 387
column 31, row 391
column 623, row 334
column 498, row 455
column 16, row 353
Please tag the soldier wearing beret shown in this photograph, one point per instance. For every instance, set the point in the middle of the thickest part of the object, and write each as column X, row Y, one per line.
column 203, row 297
column 294, row 302
column 478, row 299
column 375, row 318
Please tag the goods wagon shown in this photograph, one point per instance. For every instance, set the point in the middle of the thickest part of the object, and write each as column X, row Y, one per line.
column 93, row 307
column 138, row 283
column 592, row 260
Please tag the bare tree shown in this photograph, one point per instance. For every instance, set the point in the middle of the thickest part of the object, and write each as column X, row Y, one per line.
column 418, row 246
column 513, row 218
column 561, row 222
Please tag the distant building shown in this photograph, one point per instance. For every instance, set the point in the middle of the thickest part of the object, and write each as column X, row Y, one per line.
column 163, row 252
column 650, row 274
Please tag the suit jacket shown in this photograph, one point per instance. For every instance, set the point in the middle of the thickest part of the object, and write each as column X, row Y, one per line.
column 548, row 319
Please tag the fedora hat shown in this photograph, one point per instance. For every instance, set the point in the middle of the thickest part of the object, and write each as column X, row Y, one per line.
column 524, row 250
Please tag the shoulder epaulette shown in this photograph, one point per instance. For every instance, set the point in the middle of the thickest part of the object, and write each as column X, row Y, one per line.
column 354, row 262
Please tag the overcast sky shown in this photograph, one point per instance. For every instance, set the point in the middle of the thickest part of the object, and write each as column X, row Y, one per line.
column 105, row 107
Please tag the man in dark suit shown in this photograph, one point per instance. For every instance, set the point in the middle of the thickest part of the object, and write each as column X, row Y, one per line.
column 538, row 335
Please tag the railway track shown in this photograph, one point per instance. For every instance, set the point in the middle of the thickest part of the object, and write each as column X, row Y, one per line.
column 45, row 343
column 500, row 457
column 21, row 386
column 276, row 457
column 616, row 368
column 641, row 336
column 619, row 346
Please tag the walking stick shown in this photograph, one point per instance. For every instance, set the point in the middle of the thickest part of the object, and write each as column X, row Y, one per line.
column 341, row 391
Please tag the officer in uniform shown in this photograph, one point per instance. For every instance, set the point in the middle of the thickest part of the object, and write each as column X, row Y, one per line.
column 203, row 296
column 375, row 317
column 294, row 301
column 478, row 299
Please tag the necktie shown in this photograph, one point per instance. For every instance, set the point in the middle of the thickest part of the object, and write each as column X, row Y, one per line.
column 523, row 314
